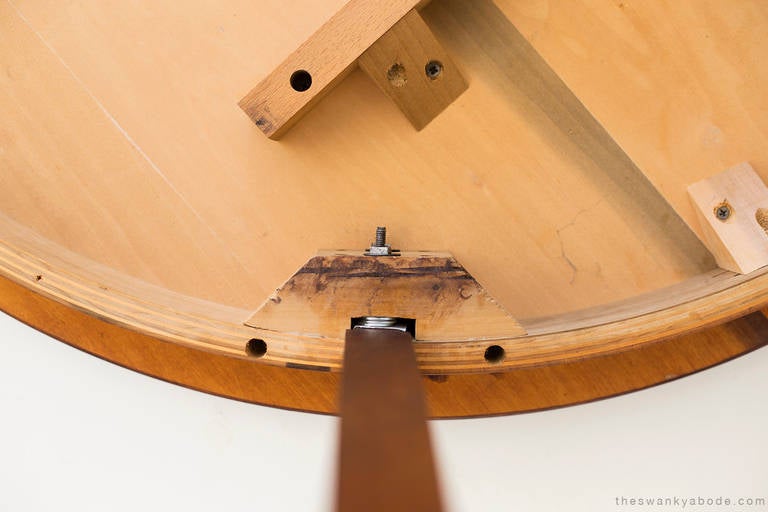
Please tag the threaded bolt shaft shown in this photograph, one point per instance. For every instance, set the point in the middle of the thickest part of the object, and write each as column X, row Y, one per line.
column 381, row 237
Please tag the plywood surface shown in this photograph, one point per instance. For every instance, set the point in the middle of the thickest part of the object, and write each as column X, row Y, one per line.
column 678, row 84
column 70, row 171
column 84, row 285
column 145, row 163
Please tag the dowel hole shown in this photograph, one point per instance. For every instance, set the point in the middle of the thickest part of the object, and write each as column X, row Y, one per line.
column 433, row 69
column 494, row 354
column 397, row 76
column 256, row 347
column 301, row 80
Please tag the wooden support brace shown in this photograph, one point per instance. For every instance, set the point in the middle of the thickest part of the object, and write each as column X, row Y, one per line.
column 732, row 208
column 399, row 52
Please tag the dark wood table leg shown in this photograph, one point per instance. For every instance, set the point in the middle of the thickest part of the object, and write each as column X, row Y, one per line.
column 385, row 461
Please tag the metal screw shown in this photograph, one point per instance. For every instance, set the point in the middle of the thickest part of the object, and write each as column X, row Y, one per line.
column 434, row 69
column 723, row 211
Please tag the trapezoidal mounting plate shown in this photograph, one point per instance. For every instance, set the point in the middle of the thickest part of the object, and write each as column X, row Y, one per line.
column 432, row 288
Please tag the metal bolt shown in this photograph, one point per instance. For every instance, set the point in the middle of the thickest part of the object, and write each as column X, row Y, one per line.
column 380, row 246
column 381, row 237
column 434, row 69
column 723, row 211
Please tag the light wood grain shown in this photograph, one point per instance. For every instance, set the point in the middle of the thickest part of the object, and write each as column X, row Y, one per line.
column 67, row 170
column 88, row 286
column 127, row 160
column 738, row 242
column 678, row 85
column 327, row 57
column 532, row 215
column 331, row 289
column 397, row 63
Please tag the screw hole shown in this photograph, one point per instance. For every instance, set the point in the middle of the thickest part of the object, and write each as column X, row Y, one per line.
column 494, row 354
column 256, row 347
column 301, row 80
column 434, row 69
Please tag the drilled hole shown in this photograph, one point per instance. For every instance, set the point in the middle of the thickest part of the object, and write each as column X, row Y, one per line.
column 494, row 354
column 256, row 347
column 433, row 69
column 397, row 76
column 301, row 80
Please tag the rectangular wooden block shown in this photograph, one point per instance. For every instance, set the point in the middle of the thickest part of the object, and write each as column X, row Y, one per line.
column 732, row 208
column 325, row 58
column 413, row 69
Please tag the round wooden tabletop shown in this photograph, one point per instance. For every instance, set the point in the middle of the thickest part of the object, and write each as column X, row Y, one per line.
column 556, row 245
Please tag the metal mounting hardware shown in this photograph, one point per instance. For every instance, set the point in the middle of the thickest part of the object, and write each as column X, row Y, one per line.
column 380, row 246
column 385, row 322
column 723, row 211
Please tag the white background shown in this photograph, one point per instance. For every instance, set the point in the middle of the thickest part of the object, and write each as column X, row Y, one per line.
column 80, row 434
